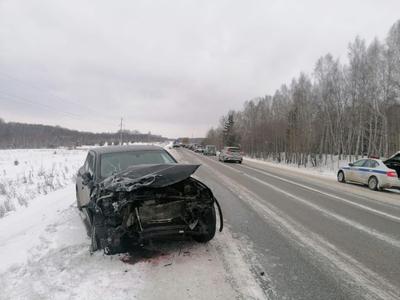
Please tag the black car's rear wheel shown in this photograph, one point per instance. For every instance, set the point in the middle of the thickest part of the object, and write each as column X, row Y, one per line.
column 207, row 226
column 77, row 198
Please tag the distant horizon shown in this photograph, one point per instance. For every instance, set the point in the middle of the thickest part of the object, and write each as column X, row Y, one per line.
column 132, row 131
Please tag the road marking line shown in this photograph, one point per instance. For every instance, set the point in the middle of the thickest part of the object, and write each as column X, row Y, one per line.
column 327, row 254
column 332, row 215
column 378, row 235
column 375, row 211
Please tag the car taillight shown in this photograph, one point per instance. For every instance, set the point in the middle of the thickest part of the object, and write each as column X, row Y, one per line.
column 391, row 173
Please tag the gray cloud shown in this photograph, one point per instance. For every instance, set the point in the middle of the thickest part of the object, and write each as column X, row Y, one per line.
column 170, row 67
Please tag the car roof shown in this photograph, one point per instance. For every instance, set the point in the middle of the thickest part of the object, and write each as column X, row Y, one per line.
column 370, row 158
column 127, row 148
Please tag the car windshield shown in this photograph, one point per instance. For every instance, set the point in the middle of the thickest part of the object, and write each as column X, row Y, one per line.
column 111, row 163
column 234, row 150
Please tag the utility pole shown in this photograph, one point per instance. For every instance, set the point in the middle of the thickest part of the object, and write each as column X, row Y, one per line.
column 120, row 133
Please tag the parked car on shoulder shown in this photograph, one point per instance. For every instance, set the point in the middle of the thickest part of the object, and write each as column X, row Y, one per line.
column 210, row 150
column 376, row 173
column 231, row 154
column 131, row 194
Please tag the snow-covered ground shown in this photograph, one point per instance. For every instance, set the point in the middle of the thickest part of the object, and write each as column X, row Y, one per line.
column 328, row 171
column 26, row 174
column 44, row 249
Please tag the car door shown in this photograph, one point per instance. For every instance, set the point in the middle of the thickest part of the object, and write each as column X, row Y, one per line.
column 355, row 172
column 366, row 170
column 79, row 181
column 85, row 189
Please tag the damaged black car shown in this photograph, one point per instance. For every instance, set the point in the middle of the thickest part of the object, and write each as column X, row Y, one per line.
column 129, row 195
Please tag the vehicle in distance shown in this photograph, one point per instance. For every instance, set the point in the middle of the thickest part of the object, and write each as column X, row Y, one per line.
column 131, row 194
column 375, row 173
column 230, row 154
column 210, row 150
column 199, row 149
column 192, row 147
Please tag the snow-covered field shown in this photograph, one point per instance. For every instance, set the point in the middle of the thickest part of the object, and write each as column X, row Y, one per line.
column 26, row 174
column 44, row 248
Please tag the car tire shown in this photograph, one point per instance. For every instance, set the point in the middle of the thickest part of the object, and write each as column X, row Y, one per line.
column 77, row 198
column 239, row 161
column 373, row 183
column 94, row 240
column 340, row 177
column 209, row 222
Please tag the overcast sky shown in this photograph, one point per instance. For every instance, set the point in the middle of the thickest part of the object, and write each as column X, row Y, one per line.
column 169, row 67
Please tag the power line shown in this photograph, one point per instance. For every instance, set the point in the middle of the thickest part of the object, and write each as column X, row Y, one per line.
column 27, row 101
column 60, row 99
column 20, row 99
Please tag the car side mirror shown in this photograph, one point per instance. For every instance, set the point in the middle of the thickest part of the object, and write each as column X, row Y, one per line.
column 351, row 165
column 86, row 178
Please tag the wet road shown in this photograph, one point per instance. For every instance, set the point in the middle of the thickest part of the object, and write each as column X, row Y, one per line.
column 311, row 238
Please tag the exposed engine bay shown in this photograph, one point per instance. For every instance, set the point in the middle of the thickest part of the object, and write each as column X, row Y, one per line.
column 150, row 202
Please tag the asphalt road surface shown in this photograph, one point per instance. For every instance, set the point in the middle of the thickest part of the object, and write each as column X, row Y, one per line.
column 312, row 238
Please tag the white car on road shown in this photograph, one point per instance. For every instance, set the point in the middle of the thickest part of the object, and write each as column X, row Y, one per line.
column 231, row 154
column 375, row 173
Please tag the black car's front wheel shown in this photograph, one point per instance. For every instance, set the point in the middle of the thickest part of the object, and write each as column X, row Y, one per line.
column 207, row 226
column 94, row 240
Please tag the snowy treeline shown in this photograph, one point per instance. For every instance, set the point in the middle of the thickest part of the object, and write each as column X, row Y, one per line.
column 21, row 135
column 341, row 109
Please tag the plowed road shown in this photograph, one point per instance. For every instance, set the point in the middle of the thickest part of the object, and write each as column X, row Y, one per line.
column 314, row 238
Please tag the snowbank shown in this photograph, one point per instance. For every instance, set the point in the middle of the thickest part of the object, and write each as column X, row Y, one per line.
column 328, row 171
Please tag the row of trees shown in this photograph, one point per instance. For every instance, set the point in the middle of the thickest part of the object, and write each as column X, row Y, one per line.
column 342, row 109
column 20, row 135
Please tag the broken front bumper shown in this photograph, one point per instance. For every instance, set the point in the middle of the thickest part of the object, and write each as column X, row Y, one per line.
column 129, row 209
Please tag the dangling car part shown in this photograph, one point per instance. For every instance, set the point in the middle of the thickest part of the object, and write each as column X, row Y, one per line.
column 146, row 201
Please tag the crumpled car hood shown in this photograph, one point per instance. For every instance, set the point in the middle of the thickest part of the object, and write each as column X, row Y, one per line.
column 155, row 176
